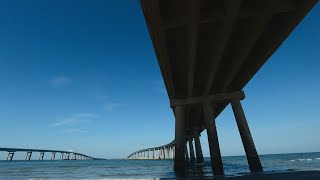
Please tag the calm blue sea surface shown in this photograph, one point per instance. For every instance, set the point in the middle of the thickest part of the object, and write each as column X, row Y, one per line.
column 144, row 169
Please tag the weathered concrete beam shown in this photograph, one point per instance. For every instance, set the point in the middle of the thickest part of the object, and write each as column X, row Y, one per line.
column 180, row 21
column 193, row 28
column 152, row 13
column 208, row 99
column 224, row 35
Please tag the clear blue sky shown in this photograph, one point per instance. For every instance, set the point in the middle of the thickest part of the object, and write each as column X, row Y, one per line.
column 83, row 75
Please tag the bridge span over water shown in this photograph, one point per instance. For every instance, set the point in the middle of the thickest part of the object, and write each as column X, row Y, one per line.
column 208, row 50
column 64, row 155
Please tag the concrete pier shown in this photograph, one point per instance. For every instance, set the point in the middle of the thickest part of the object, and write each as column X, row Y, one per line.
column 53, row 155
column 10, row 156
column 28, row 156
column 214, row 147
column 248, row 144
column 191, row 149
column 187, row 153
column 73, row 156
column 198, row 148
column 41, row 156
column 180, row 140
column 207, row 52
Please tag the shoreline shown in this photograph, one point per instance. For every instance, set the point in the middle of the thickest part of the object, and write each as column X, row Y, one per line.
column 313, row 174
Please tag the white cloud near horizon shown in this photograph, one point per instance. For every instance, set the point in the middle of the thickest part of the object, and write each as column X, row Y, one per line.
column 110, row 106
column 60, row 81
column 74, row 130
column 74, row 119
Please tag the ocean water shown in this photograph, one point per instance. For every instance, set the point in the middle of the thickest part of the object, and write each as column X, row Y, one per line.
column 146, row 169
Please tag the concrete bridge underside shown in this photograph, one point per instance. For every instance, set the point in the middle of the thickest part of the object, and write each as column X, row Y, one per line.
column 208, row 50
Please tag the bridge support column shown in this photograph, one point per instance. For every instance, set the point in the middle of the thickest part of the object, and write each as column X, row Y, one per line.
column 68, row 156
column 192, row 157
column 164, row 153
column 180, row 150
column 210, row 123
column 173, row 152
column 53, row 156
column 197, row 144
column 10, row 156
column 248, row 144
column 41, row 155
column 153, row 153
column 28, row 156
column 187, row 154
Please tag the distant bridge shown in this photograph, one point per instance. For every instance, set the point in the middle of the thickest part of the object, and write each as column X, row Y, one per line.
column 64, row 155
column 207, row 52
column 159, row 152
